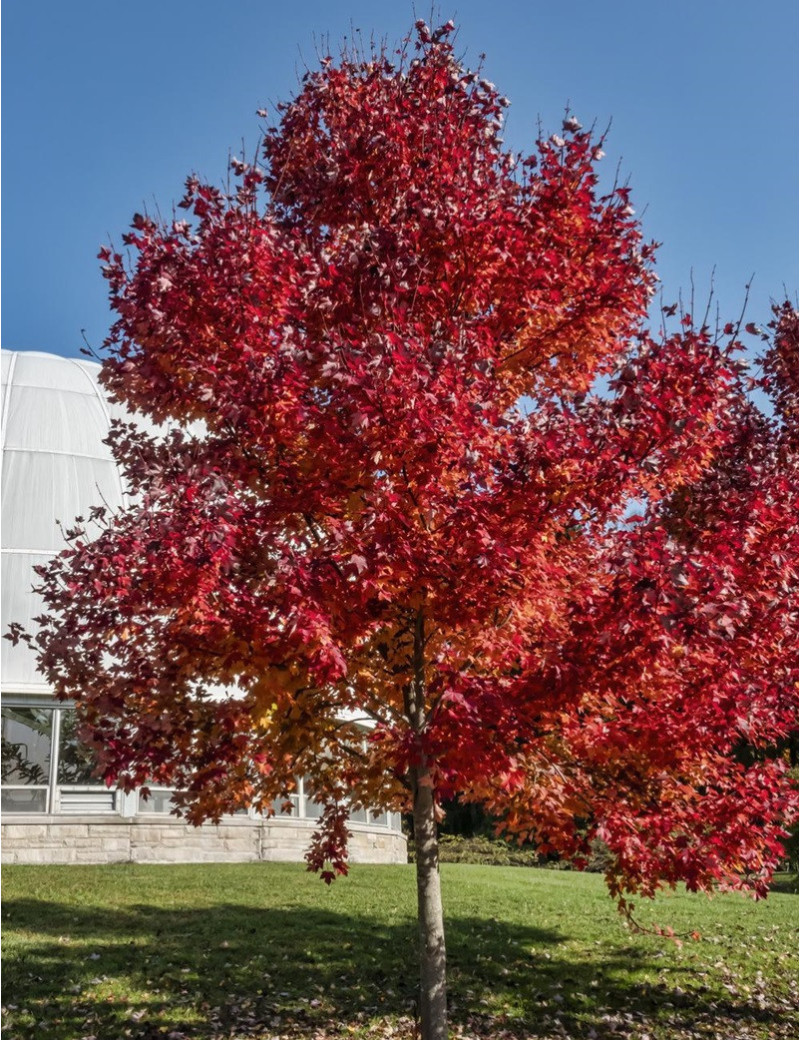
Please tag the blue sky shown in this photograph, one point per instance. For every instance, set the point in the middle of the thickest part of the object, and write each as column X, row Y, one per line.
column 107, row 106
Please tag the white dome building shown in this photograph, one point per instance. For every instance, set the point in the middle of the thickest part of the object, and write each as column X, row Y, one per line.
column 55, row 467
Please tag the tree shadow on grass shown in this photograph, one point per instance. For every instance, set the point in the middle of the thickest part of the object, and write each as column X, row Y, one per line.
column 240, row 971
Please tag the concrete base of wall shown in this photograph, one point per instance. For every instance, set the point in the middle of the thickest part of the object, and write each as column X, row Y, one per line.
column 164, row 839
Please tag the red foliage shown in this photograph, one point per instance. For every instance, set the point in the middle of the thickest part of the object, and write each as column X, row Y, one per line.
column 401, row 501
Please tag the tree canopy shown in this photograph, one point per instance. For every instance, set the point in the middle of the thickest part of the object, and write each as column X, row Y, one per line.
column 392, row 490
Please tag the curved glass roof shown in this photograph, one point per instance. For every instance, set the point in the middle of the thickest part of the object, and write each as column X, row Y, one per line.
column 55, row 467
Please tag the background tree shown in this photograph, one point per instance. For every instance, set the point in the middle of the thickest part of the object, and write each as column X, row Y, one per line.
column 391, row 495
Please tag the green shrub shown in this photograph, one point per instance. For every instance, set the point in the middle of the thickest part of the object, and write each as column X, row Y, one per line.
column 455, row 848
column 600, row 857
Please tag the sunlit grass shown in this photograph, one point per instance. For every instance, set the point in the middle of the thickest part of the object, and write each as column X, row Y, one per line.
column 261, row 950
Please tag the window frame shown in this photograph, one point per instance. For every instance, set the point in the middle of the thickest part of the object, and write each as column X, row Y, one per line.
column 53, row 788
column 131, row 805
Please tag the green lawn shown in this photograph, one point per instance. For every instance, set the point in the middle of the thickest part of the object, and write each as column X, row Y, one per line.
column 266, row 950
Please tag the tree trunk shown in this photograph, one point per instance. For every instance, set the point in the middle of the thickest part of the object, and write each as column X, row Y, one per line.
column 432, row 961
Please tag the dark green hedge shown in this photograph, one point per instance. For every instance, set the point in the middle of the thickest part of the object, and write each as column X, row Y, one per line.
column 456, row 848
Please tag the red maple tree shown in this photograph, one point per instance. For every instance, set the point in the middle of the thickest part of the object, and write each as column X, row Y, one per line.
column 390, row 493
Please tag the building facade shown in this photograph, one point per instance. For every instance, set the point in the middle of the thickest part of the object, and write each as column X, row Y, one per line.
column 55, row 417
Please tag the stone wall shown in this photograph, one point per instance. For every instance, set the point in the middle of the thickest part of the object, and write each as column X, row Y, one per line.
column 165, row 839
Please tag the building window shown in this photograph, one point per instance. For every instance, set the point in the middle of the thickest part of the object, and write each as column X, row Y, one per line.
column 292, row 804
column 77, row 789
column 47, row 769
column 27, row 742
column 160, row 800
column 76, row 761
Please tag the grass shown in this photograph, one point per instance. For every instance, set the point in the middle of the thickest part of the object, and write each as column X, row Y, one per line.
column 266, row 950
